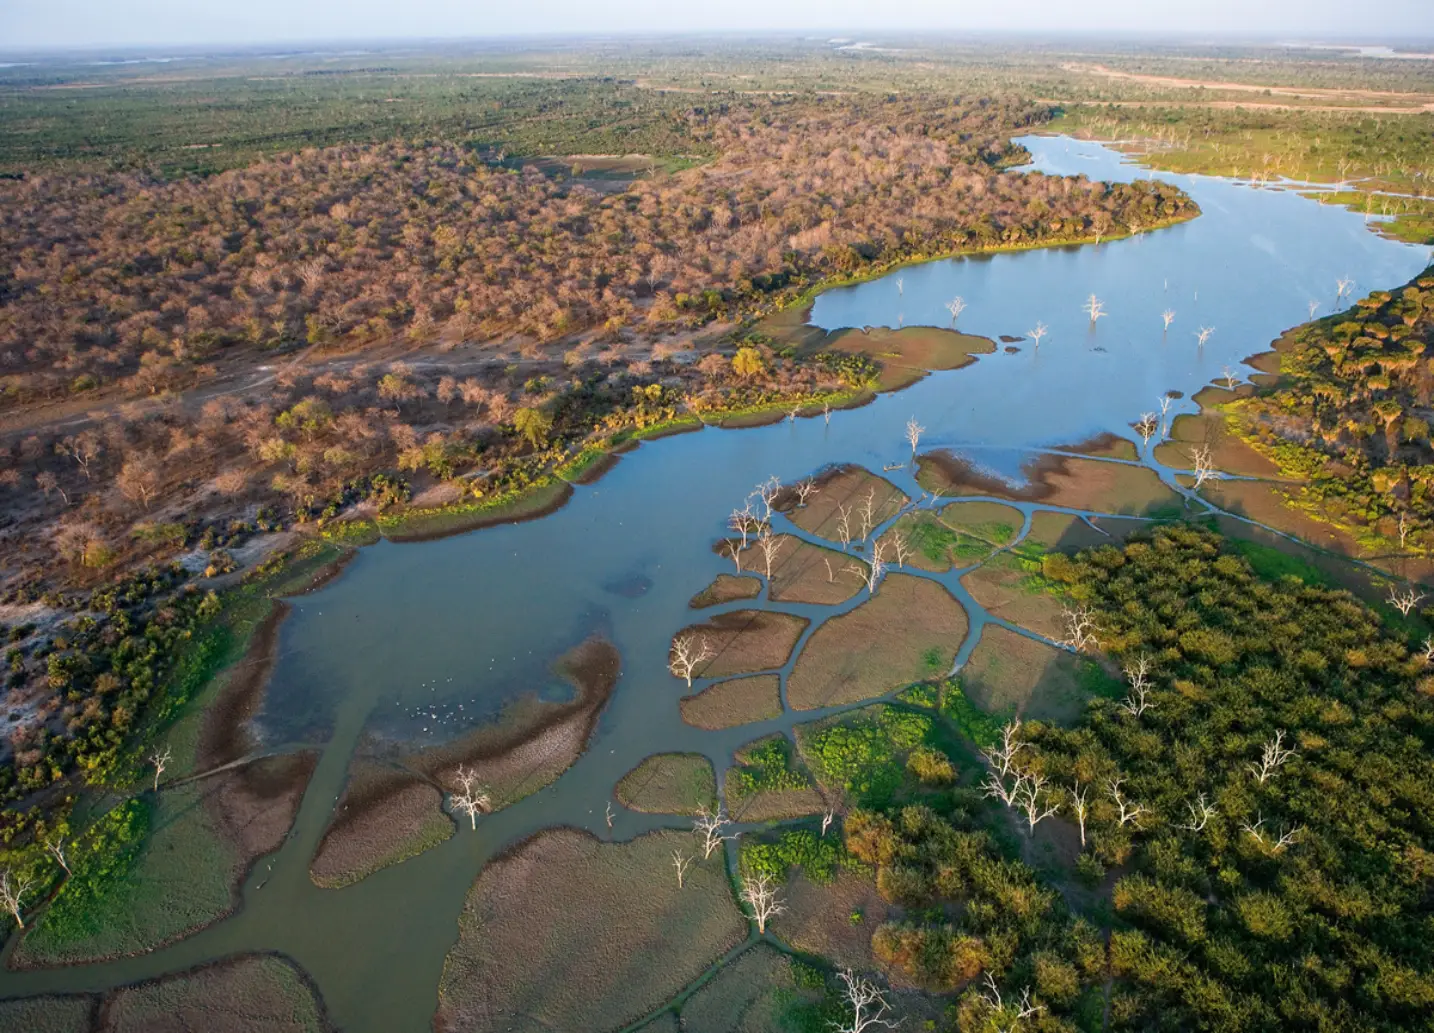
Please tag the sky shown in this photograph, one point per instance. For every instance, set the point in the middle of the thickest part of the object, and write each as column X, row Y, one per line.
column 128, row 23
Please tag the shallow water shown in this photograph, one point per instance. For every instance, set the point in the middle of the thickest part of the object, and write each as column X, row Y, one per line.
column 420, row 641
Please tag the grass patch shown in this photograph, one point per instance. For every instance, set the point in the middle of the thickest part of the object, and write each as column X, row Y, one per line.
column 670, row 783
column 739, row 701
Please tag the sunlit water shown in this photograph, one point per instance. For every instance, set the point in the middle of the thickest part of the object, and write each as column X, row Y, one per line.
column 419, row 642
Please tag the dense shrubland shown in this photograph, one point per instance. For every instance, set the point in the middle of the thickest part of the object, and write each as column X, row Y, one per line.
column 1351, row 413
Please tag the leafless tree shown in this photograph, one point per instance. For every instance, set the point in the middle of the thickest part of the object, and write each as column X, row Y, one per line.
column 1404, row 601
column 1080, row 807
column 902, row 547
column 1148, row 426
column 1230, row 377
column 956, row 306
column 84, row 448
column 827, row 819
column 804, row 490
column 1403, row 529
column 844, row 526
column 1015, row 1013
column 770, row 546
column 1271, row 842
column 867, row 1003
column 709, row 826
column 794, row 412
column 1204, row 466
column 1138, row 701
column 1203, row 334
column 1003, row 757
column 56, row 848
column 827, row 412
column 744, row 521
column 160, row 759
column 469, row 797
column 681, row 864
column 1165, row 401
column 868, row 513
column 997, row 786
column 735, row 551
column 1035, row 335
column 1272, row 756
column 1345, row 285
column 1033, row 799
column 760, row 895
column 608, row 814
column 1314, row 307
column 831, row 574
column 1168, row 316
column 914, row 431
column 1095, row 308
column 1428, row 654
column 12, row 894
column 872, row 572
column 688, row 653
column 48, row 482
column 900, row 285
column 767, row 491
column 1201, row 811
column 1080, row 629
column 1130, row 813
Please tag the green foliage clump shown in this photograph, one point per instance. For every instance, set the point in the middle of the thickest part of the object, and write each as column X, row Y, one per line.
column 864, row 754
column 100, row 861
column 819, row 857
column 766, row 766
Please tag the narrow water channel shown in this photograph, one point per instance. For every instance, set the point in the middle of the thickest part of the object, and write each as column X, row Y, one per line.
column 421, row 642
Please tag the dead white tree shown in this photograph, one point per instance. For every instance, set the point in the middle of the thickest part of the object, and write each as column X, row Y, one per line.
column 1271, row 842
column 1130, row 813
column 843, row 527
column 767, row 492
column 1033, row 799
column 956, row 306
column 996, row 786
column 1003, row 757
column 1345, row 285
column 1080, row 629
column 688, row 652
column 1314, row 307
column 1035, row 335
column 770, row 546
column 831, row 575
column 1203, row 334
column 1165, row 402
column 160, row 759
column 902, row 547
column 681, row 864
column 1403, row 529
column 744, row 521
column 900, row 285
column 1404, row 601
column 871, row 572
column 1168, row 316
column 1080, row 807
column 1428, row 654
column 827, row 820
column 761, row 896
column 709, row 826
column 608, row 814
column 804, row 490
column 1138, row 701
column 1204, row 466
column 1230, row 377
column 827, row 412
column 1272, row 756
column 735, row 551
column 56, row 848
column 12, row 894
column 1095, row 308
column 1147, row 426
column 1201, row 811
column 470, row 798
column 794, row 412
column 1002, row 1013
column 867, row 1003
column 914, row 431
column 868, row 513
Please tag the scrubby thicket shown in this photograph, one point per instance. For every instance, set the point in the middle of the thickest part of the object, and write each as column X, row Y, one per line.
column 1303, row 900
column 128, row 277
column 1352, row 409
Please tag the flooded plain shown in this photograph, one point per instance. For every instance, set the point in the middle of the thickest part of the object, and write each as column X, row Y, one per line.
column 418, row 643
